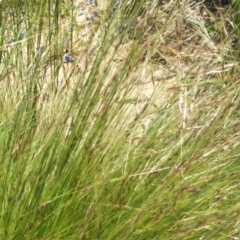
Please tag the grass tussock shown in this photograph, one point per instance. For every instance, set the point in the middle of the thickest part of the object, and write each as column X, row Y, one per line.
column 136, row 138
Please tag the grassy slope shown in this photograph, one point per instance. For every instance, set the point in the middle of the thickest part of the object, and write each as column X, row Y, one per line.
column 117, row 145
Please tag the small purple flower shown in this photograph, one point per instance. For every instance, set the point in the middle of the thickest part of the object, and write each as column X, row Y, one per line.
column 12, row 40
column 21, row 36
column 41, row 49
column 81, row 12
column 235, row 41
column 89, row 2
column 67, row 57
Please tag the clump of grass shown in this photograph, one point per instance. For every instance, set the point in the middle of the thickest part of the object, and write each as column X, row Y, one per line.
column 117, row 144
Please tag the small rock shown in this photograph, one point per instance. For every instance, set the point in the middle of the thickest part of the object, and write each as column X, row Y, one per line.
column 89, row 16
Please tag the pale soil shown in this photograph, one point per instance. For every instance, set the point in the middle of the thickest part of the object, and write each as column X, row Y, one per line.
column 152, row 82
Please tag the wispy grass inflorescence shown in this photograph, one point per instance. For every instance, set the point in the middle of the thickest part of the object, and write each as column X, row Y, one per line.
column 136, row 138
